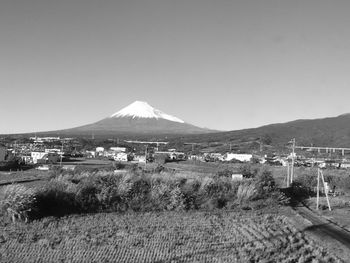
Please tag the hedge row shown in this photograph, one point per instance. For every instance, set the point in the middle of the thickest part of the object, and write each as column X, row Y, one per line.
column 96, row 192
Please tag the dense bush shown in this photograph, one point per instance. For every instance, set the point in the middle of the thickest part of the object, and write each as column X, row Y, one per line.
column 249, row 170
column 265, row 183
column 57, row 198
column 18, row 202
column 225, row 173
column 137, row 191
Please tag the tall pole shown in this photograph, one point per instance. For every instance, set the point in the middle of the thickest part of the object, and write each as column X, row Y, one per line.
column 325, row 191
column 292, row 168
column 146, row 154
column 318, row 189
column 61, row 154
column 287, row 174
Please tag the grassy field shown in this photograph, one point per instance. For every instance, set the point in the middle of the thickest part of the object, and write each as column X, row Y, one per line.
column 160, row 237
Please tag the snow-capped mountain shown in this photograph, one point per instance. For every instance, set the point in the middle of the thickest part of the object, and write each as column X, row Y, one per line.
column 139, row 118
column 141, row 109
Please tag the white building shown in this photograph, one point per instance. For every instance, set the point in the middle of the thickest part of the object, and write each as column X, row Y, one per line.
column 140, row 158
column 90, row 154
column 121, row 157
column 36, row 156
column 100, row 149
column 237, row 177
column 238, row 156
column 118, row 149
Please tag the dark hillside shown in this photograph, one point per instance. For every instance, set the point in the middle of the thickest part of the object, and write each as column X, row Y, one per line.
column 333, row 131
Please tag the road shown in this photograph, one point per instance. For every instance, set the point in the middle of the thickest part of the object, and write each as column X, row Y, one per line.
column 322, row 226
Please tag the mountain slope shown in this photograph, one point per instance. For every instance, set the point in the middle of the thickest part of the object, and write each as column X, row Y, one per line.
column 332, row 132
column 138, row 118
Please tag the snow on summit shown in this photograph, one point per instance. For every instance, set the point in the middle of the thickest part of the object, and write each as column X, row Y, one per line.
column 141, row 109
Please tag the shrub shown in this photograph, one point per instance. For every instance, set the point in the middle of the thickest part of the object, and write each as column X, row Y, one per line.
column 246, row 192
column 86, row 196
column 190, row 192
column 160, row 195
column 56, row 198
column 224, row 173
column 119, row 165
column 306, row 181
column 176, row 199
column 125, row 184
column 265, row 183
column 248, row 170
column 18, row 202
column 139, row 194
column 108, row 196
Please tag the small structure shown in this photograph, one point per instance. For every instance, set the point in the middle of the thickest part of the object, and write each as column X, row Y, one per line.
column 118, row 149
column 100, row 151
column 121, row 157
column 43, row 168
column 44, row 157
column 238, row 156
column 237, row 177
column 345, row 165
column 36, row 156
column 140, row 158
column 68, row 167
column 213, row 157
column 90, row 154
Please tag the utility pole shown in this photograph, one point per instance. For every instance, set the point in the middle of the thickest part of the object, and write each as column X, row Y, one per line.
column 325, row 191
column 261, row 145
column 146, row 154
column 288, row 174
column 61, row 153
column 292, row 168
column 318, row 189
column 320, row 173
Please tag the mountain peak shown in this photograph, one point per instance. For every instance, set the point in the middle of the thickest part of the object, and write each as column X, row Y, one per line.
column 141, row 109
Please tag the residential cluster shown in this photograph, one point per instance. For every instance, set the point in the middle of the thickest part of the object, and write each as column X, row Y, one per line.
column 53, row 150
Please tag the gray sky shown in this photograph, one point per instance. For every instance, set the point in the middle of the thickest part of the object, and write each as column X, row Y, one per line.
column 221, row 64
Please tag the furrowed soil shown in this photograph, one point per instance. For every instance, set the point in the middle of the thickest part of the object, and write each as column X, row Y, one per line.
column 196, row 236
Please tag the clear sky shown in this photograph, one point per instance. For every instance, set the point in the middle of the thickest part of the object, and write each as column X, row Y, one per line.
column 221, row 64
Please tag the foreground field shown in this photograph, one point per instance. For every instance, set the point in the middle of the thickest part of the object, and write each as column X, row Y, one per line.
column 160, row 237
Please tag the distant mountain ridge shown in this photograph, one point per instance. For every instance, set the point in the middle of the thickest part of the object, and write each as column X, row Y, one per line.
column 330, row 131
column 140, row 120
